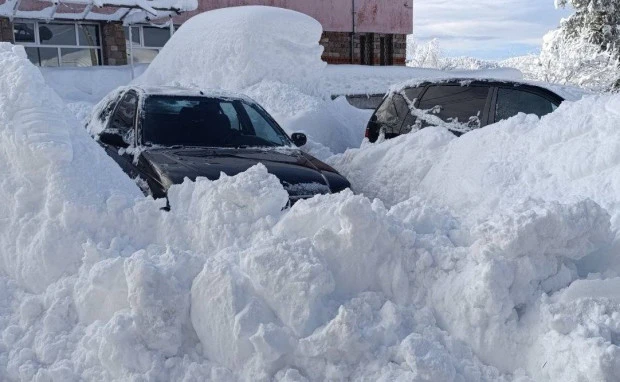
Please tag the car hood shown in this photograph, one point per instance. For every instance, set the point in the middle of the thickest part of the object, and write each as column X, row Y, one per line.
column 300, row 174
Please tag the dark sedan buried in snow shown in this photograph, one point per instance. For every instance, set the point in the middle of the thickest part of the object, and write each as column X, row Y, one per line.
column 160, row 136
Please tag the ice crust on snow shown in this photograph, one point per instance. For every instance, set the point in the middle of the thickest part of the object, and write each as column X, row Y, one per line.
column 491, row 257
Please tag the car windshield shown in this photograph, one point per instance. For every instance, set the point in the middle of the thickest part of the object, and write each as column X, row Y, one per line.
column 208, row 122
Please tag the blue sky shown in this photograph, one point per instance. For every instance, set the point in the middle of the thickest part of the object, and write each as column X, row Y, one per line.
column 488, row 29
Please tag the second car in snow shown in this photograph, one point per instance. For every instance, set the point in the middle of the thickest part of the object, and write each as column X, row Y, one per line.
column 163, row 135
column 460, row 105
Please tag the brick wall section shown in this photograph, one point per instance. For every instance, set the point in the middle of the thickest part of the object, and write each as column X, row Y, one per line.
column 337, row 47
column 400, row 49
column 113, row 44
column 6, row 30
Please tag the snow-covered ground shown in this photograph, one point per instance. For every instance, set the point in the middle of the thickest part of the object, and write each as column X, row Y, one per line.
column 490, row 257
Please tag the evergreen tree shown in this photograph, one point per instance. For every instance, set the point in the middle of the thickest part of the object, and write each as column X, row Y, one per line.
column 595, row 21
column 586, row 48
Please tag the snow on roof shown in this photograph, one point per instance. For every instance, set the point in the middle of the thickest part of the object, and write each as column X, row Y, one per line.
column 358, row 79
column 191, row 91
column 128, row 11
column 569, row 93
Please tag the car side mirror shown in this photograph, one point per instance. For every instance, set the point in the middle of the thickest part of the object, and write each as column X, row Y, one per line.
column 299, row 139
column 113, row 140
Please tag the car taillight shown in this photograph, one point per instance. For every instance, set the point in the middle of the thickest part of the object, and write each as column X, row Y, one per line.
column 367, row 133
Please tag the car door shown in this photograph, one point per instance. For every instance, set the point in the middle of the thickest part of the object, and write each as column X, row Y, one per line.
column 459, row 107
column 512, row 100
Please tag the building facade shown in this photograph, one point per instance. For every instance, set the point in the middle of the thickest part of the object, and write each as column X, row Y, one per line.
column 366, row 32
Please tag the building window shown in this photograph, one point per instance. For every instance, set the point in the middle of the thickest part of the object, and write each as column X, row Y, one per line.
column 146, row 41
column 58, row 43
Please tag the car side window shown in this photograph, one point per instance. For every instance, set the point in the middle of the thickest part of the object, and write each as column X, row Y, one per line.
column 108, row 109
column 455, row 103
column 261, row 127
column 511, row 102
column 411, row 121
column 122, row 121
column 229, row 109
column 391, row 114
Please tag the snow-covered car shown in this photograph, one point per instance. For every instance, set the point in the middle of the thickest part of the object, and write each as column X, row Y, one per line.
column 461, row 105
column 162, row 135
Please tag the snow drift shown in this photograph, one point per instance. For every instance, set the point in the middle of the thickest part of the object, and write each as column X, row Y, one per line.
column 233, row 48
column 98, row 283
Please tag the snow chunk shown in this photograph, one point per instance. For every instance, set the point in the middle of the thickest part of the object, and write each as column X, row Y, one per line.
column 239, row 47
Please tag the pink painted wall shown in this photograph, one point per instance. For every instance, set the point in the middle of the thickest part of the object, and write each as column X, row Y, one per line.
column 379, row 16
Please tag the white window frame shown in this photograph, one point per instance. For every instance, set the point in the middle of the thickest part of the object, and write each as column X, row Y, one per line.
column 141, row 34
column 37, row 38
column 140, row 45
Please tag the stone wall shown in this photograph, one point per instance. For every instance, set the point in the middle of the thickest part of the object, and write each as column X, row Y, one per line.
column 113, row 44
column 368, row 48
column 6, row 30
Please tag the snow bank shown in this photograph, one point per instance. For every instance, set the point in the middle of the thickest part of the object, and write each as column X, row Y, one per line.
column 568, row 155
column 233, row 48
column 516, row 185
column 88, row 84
column 252, row 292
column 98, row 283
column 54, row 175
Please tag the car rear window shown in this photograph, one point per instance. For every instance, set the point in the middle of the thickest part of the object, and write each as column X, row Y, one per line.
column 511, row 102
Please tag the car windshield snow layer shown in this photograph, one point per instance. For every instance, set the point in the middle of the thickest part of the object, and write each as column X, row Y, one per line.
column 207, row 122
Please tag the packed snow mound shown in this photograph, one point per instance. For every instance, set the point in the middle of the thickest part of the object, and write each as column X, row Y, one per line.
column 568, row 155
column 91, row 84
column 54, row 175
column 233, row 48
column 98, row 283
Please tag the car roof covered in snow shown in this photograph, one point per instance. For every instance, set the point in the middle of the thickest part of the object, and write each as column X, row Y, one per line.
column 569, row 93
column 190, row 91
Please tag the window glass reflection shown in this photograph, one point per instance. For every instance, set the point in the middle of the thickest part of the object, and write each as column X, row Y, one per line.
column 49, row 56
column 24, row 32
column 57, row 34
column 79, row 57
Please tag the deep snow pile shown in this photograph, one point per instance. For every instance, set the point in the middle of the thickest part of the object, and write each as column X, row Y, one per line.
column 239, row 47
column 98, row 283
column 568, row 155
column 89, row 84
